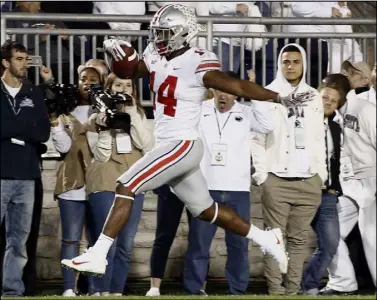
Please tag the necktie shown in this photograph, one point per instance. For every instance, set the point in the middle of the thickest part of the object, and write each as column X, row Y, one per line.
column 327, row 156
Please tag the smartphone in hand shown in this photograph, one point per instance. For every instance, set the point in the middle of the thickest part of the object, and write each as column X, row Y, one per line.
column 35, row 61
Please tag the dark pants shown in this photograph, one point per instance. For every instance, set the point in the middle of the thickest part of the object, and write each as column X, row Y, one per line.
column 268, row 58
column 316, row 60
column 201, row 235
column 326, row 226
column 169, row 212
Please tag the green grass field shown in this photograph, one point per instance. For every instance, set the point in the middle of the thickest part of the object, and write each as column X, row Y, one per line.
column 179, row 297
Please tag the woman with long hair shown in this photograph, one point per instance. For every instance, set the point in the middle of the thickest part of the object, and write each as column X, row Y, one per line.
column 114, row 151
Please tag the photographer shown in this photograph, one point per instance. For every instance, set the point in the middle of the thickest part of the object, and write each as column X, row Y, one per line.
column 24, row 126
column 116, row 146
column 68, row 136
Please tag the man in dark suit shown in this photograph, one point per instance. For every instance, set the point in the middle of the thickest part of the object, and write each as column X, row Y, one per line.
column 326, row 222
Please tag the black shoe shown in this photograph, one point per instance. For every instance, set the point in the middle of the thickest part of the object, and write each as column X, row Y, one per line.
column 330, row 292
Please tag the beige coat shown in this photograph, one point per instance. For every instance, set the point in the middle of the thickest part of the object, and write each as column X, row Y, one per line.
column 71, row 172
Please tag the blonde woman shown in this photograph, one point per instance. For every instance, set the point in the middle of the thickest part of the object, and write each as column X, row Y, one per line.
column 115, row 151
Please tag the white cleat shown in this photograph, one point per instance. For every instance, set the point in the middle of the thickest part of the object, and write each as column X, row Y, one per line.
column 275, row 246
column 87, row 262
column 153, row 292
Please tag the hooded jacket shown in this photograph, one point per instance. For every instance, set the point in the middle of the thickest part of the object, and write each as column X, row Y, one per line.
column 273, row 152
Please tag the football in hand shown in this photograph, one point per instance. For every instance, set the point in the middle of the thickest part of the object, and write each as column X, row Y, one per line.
column 127, row 67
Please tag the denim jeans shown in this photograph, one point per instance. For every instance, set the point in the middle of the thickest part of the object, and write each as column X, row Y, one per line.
column 326, row 226
column 124, row 245
column 119, row 256
column 200, row 237
column 72, row 218
column 17, row 202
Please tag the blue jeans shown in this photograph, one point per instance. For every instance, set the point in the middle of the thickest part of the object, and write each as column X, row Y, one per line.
column 326, row 226
column 17, row 202
column 200, row 237
column 119, row 256
column 72, row 218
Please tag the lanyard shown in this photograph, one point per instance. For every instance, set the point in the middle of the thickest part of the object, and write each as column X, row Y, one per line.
column 218, row 124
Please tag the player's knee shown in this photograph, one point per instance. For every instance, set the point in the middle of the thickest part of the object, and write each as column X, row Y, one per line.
column 210, row 214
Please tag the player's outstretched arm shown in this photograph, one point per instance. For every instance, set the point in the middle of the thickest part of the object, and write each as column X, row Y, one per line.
column 219, row 80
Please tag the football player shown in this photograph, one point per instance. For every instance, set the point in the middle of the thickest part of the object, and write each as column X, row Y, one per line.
column 179, row 78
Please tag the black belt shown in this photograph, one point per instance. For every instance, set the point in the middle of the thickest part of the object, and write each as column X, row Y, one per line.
column 294, row 178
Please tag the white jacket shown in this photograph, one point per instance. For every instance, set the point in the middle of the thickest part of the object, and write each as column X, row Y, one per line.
column 272, row 152
column 359, row 135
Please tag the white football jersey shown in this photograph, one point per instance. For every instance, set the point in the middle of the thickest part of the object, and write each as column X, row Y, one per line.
column 178, row 90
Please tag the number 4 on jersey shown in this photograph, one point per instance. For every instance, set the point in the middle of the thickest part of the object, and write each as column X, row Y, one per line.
column 168, row 101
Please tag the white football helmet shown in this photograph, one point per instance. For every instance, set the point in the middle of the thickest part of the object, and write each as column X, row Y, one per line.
column 172, row 28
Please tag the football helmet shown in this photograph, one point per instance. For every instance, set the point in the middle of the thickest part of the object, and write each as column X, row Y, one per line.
column 172, row 28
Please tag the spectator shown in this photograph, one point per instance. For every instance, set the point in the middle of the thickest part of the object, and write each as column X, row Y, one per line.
column 290, row 162
column 24, row 125
column 225, row 129
column 341, row 49
column 6, row 6
column 114, row 151
column 100, row 64
column 33, row 7
column 68, row 136
column 326, row 222
column 317, row 57
column 228, row 9
column 121, row 8
column 358, row 203
column 360, row 76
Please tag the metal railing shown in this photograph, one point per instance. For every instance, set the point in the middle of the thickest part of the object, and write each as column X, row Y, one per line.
column 256, row 57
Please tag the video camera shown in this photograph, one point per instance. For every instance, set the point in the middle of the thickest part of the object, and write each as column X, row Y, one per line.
column 60, row 98
column 108, row 103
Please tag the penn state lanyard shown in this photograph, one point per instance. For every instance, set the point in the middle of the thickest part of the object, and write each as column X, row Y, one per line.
column 218, row 124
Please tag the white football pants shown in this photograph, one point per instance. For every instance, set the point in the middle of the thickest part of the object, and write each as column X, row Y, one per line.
column 358, row 205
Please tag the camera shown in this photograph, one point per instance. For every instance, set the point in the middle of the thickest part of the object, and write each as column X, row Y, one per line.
column 60, row 98
column 107, row 102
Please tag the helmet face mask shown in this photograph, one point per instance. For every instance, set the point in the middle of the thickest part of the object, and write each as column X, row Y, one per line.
column 171, row 28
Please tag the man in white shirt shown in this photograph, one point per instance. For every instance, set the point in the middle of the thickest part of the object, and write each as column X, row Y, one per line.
column 358, row 203
column 359, row 75
column 290, row 162
column 225, row 130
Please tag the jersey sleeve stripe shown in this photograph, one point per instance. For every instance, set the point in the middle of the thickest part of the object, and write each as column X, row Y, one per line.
column 213, row 64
